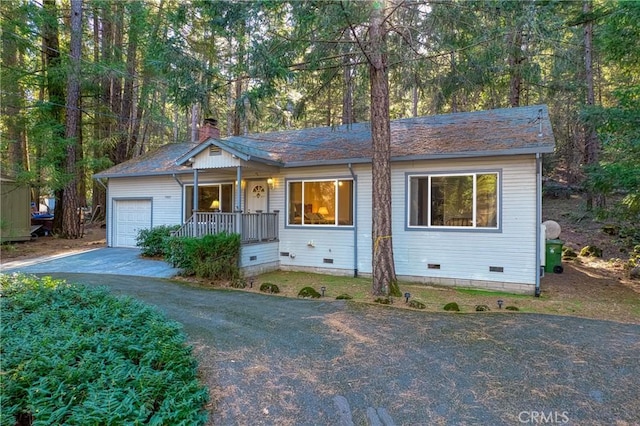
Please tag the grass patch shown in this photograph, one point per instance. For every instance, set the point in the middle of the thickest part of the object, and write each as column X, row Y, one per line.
column 78, row 355
column 479, row 292
column 435, row 297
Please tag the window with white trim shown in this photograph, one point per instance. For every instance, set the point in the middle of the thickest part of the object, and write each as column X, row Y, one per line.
column 327, row 202
column 211, row 198
column 468, row 200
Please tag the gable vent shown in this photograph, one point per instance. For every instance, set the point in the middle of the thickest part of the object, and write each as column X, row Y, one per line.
column 214, row 150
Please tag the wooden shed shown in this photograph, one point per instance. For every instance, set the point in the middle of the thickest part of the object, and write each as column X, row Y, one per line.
column 15, row 211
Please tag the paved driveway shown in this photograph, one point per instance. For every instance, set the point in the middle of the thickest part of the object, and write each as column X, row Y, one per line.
column 117, row 261
column 270, row 360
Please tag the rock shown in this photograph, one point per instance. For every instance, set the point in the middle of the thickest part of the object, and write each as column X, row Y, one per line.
column 634, row 273
column 612, row 230
column 591, row 251
column 482, row 308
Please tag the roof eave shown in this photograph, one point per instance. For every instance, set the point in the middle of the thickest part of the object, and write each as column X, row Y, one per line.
column 474, row 154
column 139, row 174
column 453, row 155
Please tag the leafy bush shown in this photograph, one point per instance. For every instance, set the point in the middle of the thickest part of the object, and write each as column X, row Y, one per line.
column 344, row 296
column 308, row 292
column 416, row 304
column 452, row 306
column 76, row 355
column 212, row 256
column 269, row 288
column 153, row 241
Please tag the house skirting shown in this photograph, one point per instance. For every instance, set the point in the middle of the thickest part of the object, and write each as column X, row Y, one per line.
column 516, row 288
column 263, row 268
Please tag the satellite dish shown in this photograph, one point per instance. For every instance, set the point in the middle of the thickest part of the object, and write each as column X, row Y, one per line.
column 552, row 229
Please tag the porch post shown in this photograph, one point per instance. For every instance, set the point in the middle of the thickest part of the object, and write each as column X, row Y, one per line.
column 239, row 188
column 239, row 200
column 195, row 202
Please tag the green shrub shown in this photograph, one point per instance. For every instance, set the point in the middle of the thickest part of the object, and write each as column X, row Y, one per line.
column 309, row 292
column 344, row 296
column 76, row 355
column 591, row 251
column 153, row 241
column 482, row 308
column 384, row 300
column 212, row 256
column 416, row 304
column 452, row 306
column 269, row 288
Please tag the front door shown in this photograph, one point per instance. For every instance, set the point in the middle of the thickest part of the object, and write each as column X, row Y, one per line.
column 257, row 193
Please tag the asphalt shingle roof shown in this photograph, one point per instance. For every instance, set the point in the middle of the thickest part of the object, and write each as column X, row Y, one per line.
column 159, row 162
column 507, row 131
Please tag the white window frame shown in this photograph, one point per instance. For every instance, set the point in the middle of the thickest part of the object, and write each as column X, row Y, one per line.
column 336, row 182
column 188, row 189
column 474, row 226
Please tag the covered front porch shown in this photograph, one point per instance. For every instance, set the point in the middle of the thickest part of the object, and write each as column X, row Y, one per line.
column 254, row 227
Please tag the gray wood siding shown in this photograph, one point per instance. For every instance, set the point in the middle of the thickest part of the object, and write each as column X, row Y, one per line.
column 312, row 247
column 469, row 254
column 165, row 192
column 205, row 161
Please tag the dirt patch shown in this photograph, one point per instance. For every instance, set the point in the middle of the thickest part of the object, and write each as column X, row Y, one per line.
column 94, row 237
column 600, row 283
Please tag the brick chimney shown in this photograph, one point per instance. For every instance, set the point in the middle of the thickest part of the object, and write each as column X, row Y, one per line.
column 209, row 129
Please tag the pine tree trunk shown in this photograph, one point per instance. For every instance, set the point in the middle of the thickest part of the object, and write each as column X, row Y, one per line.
column 71, row 219
column 55, row 90
column 591, row 143
column 384, row 274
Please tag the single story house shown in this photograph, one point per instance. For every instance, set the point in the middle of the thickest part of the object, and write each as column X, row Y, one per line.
column 466, row 197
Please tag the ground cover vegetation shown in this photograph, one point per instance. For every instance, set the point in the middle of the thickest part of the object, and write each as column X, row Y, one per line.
column 148, row 73
column 77, row 355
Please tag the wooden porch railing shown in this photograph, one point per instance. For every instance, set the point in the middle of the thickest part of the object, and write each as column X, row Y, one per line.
column 252, row 227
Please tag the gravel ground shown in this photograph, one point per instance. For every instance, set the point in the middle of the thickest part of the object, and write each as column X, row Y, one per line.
column 270, row 360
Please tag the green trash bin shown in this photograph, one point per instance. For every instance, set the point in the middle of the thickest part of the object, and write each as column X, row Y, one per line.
column 553, row 256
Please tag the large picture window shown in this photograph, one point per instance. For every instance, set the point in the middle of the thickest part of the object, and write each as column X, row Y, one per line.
column 320, row 202
column 211, row 198
column 454, row 200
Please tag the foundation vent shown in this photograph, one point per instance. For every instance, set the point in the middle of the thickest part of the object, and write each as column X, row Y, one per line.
column 327, row 260
column 284, row 253
column 253, row 258
column 433, row 266
column 496, row 269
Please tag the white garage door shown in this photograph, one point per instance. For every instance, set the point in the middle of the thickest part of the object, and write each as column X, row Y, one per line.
column 129, row 217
